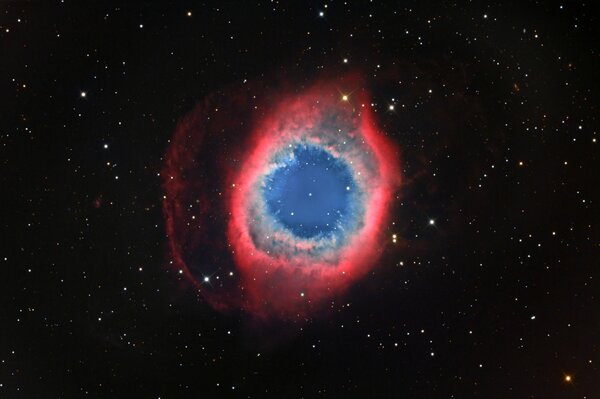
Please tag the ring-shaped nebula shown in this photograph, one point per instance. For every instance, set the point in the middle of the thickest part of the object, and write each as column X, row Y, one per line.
column 277, row 214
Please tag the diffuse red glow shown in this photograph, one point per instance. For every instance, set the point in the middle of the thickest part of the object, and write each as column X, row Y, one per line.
column 281, row 283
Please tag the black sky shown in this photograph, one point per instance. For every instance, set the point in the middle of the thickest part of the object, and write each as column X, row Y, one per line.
column 492, row 290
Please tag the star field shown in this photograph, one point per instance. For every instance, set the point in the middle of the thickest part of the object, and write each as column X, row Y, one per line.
column 487, row 284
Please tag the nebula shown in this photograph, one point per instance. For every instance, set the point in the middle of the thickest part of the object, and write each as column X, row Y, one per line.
column 298, row 197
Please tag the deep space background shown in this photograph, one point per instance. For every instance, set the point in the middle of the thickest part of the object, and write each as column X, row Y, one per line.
column 491, row 288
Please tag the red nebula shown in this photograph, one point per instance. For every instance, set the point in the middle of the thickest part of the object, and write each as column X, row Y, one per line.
column 270, row 283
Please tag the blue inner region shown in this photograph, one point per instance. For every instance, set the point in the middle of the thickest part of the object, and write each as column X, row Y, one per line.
column 311, row 194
